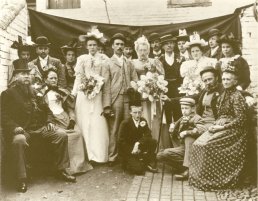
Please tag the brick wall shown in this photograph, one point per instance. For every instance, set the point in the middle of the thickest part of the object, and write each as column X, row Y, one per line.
column 13, row 22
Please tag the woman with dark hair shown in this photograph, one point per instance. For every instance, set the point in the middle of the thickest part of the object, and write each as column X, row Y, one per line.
column 231, row 52
column 218, row 155
column 92, row 88
column 190, row 70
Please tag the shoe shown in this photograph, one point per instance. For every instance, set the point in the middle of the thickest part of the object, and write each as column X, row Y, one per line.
column 66, row 177
column 112, row 163
column 182, row 177
column 22, row 186
column 151, row 169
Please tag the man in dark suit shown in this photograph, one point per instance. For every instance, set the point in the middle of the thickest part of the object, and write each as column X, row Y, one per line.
column 171, row 64
column 122, row 73
column 45, row 62
column 156, row 51
column 136, row 146
column 214, row 50
column 24, row 121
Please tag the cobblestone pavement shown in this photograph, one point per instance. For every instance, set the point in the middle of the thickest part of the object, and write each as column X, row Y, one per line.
column 162, row 186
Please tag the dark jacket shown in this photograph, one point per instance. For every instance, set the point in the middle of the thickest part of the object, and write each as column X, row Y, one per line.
column 217, row 55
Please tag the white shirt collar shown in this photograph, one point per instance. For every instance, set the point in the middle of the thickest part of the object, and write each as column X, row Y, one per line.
column 156, row 53
column 169, row 58
column 213, row 51
column 185, row 54
column 45, row 59
column 120, row 59
column 136, row 123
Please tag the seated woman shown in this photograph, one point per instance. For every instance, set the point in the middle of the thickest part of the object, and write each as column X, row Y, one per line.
column 218, row 156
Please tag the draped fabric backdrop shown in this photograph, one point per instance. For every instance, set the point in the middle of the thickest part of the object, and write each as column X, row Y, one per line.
column 61, row 30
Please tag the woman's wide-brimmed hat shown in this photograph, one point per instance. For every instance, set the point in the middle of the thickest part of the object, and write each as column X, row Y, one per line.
column 20, row 46
column 42, row 41
column 228, row 38
column 182, row 35
column 71, row 46
column 195, row 39
column 167, row 38
column 94, row 34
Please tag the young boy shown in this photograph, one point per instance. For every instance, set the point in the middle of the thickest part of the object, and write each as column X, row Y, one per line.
column 184, row 133
column 136, row 147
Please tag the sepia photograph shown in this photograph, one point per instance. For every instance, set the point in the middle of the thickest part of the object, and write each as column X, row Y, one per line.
column 128, row 100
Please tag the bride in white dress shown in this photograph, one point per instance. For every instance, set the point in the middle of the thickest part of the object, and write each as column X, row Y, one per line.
column 88, row 110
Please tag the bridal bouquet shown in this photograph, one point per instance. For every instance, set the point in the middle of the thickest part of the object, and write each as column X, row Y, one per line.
column 191, row 86
column 151, row 86
column 91, row 85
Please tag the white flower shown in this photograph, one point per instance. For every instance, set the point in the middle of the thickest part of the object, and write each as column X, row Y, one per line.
column 39, row 94
column 143, row 123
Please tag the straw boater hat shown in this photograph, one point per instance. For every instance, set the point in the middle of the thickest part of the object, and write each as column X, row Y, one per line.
column 42, row 41
column 195, row 39
column 182, row 35
column 187, row 101
column 153, row 37
column 167, row 38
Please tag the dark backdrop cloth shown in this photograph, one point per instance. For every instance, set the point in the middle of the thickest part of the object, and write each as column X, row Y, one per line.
column 61, row 30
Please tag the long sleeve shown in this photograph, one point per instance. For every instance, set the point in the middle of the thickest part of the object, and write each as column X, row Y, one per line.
column 62, row 82
column 244, row 73
column 79, row 72
column 106, row 93
column 133, row 74
column 159, row 67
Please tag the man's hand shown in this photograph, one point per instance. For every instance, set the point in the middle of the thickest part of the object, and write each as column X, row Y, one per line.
column 171, row 127
column 249, row 101
column 20, row 139
column 216, row 128
column 71, row 125
column 108, row 112
column 164, row 97
column 51, row 127
column 183, row 134
column 136, row 149
column 18, row 130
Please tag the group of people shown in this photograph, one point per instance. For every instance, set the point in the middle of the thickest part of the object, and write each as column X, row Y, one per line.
column 89, row 112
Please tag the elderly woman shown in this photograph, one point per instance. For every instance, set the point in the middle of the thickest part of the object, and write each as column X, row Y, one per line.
column 231, row 52
column 144, row 64
column 190, row 70
column 218, row 155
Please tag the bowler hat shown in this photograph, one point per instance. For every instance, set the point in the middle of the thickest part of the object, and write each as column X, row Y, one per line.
column 117, row 36
column 153, row 37
column 214, row 32
column 187, row 101
column 167, row 38
column 42, row 41
column 209, row 69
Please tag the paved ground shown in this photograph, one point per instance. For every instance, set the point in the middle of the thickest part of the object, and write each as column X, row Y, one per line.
column 112, row 184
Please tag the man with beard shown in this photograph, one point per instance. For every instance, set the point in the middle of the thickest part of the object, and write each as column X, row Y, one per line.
column 45, row 62
column 156, row 50
column 122, row 73
column 24, row 122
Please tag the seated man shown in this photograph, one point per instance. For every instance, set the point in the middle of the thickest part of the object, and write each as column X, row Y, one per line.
column 184, row 132
column 136, row 147
column 61, row 114
column 24, row 122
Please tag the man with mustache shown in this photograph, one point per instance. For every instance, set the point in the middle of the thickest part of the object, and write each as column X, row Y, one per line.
column 122, row 73
column 156, row 50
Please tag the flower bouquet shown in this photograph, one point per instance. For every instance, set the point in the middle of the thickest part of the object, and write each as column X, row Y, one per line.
column 191, row 86
column 151, row 86
column 91, row 85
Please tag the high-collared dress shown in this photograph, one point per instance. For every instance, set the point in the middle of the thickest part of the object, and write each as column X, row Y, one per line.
column 88, row 112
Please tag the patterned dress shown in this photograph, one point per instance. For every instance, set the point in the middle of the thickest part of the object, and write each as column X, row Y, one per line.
column 217, row 159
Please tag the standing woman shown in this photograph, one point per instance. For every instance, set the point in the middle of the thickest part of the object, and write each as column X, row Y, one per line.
column 231, row 51
column 190, row 70
column 218, row 155
column 88, row 109
column 144, row 64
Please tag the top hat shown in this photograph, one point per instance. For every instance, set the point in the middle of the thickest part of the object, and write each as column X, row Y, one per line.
column 117, row 36
column 187, row 101
column 214, row 32
column 20, row 65
column 209, row 69
column 167, row 38
column 153, row 37
column 182, row 35
column 42, row 41
column 195, row 39
column 71, row 46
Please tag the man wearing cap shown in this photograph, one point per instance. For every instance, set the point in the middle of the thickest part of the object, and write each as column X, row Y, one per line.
column 156, row 50
column 24, row 122
column 70, row 52
column 122, row 73
column 183, row 133
column 136, row 146
column 171, row 65
column 214, row 50
column 45, row 62
column 182, row 38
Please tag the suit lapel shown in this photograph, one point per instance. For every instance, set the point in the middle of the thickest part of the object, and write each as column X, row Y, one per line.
column 115, row 61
